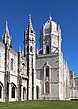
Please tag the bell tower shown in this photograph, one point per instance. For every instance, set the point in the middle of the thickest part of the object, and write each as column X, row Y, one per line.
column 29, row 53
column 50, row 37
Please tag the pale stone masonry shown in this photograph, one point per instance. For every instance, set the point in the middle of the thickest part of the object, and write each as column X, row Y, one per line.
column 31, row 75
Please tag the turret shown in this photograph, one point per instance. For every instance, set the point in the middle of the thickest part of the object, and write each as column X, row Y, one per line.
column 29, row 53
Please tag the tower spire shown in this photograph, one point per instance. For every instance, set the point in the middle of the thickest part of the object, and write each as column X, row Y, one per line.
column 6, row 37
column 6, row 31
column 29, row 28
column 29, row 20
column 29, row 53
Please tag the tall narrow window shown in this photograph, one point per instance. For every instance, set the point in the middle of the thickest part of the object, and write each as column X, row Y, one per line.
column 31, row 49
column 0, row 91
column 11, row 64
column 37, row 92
column 13, row 92
column 47, row 50
column 47, row 71
column 27, row 48
column 47, row 87
column 24, row 93
column 23, row 66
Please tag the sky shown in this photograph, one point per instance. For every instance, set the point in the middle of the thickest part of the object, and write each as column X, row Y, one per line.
column 64, row 12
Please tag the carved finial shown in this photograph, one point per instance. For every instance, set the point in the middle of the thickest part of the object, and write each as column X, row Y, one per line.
column 50, row 18
column 29, row 20
column 29, row 17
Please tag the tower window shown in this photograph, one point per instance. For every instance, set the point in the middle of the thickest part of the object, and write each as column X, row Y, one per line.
column 11, row 64
column 37, row 92
column 23, row 68
column 47, row 87
column 47, row 71
column 27, row 48
column 13, row 92
column 31, row 49
column 47, row 50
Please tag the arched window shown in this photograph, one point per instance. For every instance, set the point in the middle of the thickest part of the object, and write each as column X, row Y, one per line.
column 0, row 91
column 24, row 92
column 13, row 92
column 11, row 64
column 47, row 87
column 37, row 92
column 47, row 50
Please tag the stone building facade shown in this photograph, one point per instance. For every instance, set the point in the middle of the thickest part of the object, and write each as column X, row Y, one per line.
column 31, row 75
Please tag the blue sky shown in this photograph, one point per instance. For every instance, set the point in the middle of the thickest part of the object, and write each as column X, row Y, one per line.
column 64, row 12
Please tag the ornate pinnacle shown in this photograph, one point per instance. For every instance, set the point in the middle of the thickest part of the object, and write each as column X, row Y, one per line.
column 6, row 31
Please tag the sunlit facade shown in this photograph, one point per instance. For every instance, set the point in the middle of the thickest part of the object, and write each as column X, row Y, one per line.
column 36, row 75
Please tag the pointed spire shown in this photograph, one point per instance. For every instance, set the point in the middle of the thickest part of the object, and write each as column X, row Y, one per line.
column 29, row 20
column 30, row 27
column 6, row 31
column 6, row 37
